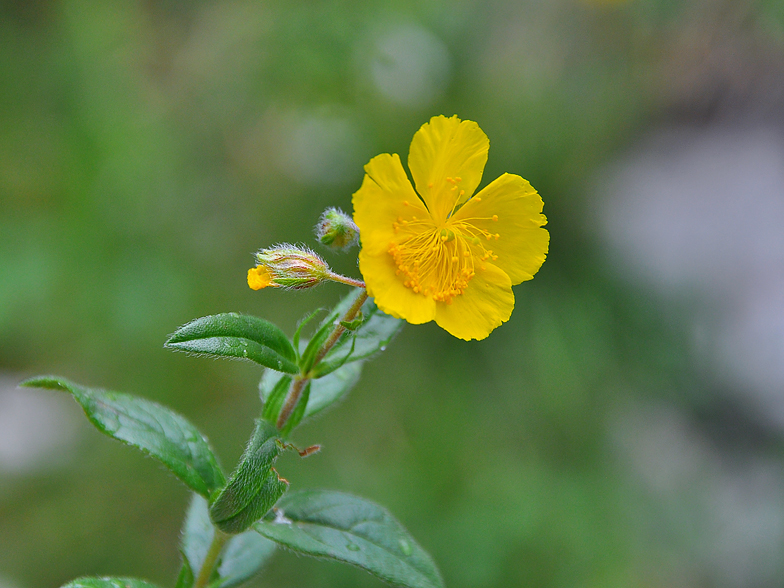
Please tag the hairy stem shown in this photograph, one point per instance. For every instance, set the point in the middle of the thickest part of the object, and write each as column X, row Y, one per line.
column 219, row 539
column 298, row 385
column 345, row 280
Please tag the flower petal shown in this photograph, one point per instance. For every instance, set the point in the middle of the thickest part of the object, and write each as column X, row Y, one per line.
column 446, row 160
column 386, row 194
column 523, row 243
column 484, row 305
column 258, row 278
column 387, row 288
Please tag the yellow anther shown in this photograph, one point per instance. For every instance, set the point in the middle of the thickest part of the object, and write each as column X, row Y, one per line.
column 405, row 203
column 495, row 216
column 458, row 179
column 478, row 198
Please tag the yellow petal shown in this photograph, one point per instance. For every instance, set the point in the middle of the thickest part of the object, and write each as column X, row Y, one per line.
column 522, row 243
column 446, row 160
column 485, row 304
column 387, row 288
column 258, row 278
column 385, row 196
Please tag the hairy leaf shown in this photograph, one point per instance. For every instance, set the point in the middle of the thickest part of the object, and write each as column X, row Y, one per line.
column 156, row 430
column 254, row 487
column 237, row 336
column 353, row 530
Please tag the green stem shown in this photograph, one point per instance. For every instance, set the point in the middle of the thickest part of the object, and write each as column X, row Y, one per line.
column 219, row 539
column 298, row 385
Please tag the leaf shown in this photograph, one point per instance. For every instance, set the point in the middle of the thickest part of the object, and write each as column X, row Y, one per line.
column 323, row 391
column 308, row 357
column 302, row 325
column 185, row 579
column 254, row 487
column 109, row 582
column 322, row 523
column 243, row 556
column 238, row 336
column 273, row 401
column 157, row 430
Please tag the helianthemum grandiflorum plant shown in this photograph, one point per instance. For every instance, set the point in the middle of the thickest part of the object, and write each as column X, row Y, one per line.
column 438, row 252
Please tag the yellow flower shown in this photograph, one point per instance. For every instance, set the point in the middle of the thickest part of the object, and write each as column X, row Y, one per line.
column 438, row 253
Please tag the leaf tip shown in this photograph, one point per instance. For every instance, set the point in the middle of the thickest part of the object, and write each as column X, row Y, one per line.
column 48, row 382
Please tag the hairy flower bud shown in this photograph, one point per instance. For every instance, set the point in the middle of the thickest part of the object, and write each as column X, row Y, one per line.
column 336, row 229
column 287, row 266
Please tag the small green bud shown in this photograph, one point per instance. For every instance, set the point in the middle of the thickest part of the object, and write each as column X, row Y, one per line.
column 336, row 229
column 288, row 266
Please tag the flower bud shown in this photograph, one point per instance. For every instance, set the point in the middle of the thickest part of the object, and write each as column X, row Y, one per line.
column 287, row 266
column 336, row 229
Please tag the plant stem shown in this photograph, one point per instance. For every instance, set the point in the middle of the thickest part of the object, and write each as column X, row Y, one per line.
column 298, row 385
column 350, row 315
column 219, row 539
column 292, row 398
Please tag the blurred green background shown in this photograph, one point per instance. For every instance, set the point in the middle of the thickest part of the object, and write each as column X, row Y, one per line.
column 148, row 148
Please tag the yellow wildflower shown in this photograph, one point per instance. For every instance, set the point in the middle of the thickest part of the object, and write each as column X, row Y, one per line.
column 439, row 253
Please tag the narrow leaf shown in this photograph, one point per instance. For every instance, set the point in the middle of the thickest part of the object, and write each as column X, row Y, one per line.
column 185, row 579
column 254, row 487
column 308, row 357
column 109, row 582
column 243, row 556
column 302, row 325
column 274, row 397
column 156, row 430
column 236, row 336
column 353, row 530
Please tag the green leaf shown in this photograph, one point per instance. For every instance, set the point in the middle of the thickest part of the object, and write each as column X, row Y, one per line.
column 185, row 579
column 302, row 325
column 273, row 401
column 254, row 487
column 353, row 530
column 156, row 430
column 237, row 336
column 323, row 391
column 110, row 582
column 308, row 357
column 243, row 556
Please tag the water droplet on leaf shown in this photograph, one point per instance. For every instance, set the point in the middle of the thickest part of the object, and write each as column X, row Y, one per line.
column 405, row 547
column 352, row 547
